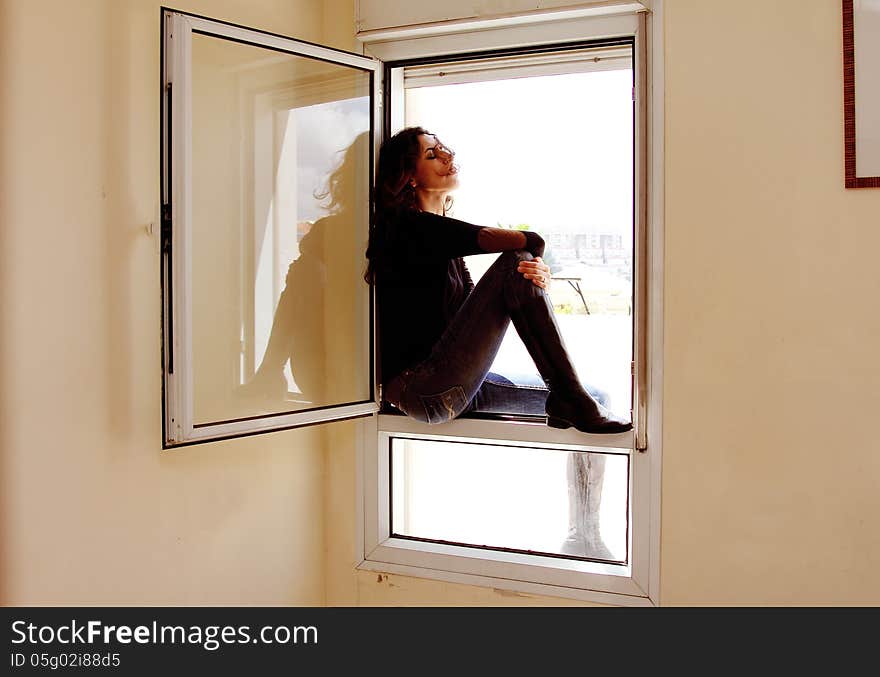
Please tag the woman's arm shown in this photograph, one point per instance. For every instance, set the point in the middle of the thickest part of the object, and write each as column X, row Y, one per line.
column 452, row 238
column 502, row 240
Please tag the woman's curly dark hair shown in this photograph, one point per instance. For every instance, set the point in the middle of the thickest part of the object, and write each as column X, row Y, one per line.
column 393, row 191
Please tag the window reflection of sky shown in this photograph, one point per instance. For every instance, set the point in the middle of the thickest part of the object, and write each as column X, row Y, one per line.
column 323, row 132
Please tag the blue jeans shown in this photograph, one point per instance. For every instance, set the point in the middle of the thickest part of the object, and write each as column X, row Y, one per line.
column 455, row 378
column 518, row 394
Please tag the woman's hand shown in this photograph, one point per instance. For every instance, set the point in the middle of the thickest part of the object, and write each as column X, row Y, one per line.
column 537, row 271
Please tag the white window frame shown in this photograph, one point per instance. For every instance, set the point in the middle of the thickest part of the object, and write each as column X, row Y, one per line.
column 637, row 582
column 177, row 355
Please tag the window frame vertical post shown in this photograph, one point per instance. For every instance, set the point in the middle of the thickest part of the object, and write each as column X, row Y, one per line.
column 178, row 327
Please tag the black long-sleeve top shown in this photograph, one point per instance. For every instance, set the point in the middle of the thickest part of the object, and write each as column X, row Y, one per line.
column 424, row 281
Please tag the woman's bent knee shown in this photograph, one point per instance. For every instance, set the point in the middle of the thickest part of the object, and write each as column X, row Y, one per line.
column 514, row 279
column 510, row 259
column 516, row 255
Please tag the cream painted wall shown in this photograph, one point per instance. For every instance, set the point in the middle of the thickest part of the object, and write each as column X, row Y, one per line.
column 93, row 512
column 770, row 469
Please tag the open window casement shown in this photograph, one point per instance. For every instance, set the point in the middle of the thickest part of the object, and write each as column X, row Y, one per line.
column 268, row 147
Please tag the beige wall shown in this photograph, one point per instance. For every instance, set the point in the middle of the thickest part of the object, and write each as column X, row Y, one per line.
column 770, row 472
column 770, row 468
column 93, row 512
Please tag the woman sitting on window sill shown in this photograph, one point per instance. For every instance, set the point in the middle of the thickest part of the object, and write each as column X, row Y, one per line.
column 439, row 333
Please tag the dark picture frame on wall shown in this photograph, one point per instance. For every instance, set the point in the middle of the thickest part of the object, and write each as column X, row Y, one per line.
column 861, row 92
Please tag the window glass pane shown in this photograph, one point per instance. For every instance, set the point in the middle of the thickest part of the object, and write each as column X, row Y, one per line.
column 537, row 500
column 280, row 165
column 553, row 154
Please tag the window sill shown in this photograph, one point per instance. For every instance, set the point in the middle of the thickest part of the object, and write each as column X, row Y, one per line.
column 512, row 430
column 511, row 585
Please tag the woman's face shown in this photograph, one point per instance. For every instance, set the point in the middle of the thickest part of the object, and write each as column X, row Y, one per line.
column 435, row 171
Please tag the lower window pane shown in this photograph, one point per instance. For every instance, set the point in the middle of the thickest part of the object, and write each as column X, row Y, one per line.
column 517, row 498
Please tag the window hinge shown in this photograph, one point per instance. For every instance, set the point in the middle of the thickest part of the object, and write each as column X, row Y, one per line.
column 166, row 228
column 168, row 268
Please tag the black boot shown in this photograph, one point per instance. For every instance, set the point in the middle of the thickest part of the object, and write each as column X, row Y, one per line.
column 568, row 403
